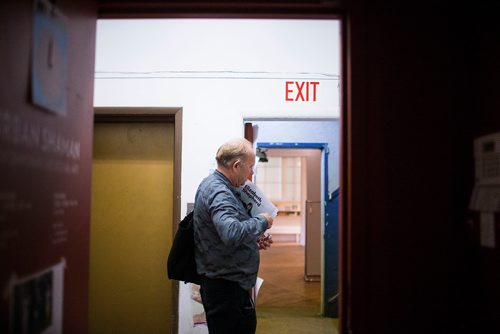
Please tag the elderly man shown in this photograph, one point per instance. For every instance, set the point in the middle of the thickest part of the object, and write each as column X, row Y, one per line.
column 227, row 242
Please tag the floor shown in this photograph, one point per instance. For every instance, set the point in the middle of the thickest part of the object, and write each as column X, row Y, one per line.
column 286, row 303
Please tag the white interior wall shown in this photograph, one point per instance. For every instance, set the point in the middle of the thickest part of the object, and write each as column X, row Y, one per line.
column 311, row 171
column 219, row 72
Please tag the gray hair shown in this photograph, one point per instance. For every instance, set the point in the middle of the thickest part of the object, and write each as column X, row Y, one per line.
column 237, row 148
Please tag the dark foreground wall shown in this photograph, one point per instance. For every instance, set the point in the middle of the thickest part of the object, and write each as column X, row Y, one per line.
column 424, row 82
column 485, row 69
column 45, row 164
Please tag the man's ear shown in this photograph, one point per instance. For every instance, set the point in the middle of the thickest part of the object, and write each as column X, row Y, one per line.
column 236, row 162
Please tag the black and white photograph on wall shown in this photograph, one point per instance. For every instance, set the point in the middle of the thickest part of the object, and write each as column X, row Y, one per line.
column 33, row 301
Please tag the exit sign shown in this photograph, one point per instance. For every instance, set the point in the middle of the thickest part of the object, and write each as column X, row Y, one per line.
column 301, row 91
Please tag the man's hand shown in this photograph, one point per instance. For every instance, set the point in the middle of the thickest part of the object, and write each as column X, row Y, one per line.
column 269, row 219
column 265, row 241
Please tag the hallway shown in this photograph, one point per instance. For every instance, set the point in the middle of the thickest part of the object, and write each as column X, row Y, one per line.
column 286, row 303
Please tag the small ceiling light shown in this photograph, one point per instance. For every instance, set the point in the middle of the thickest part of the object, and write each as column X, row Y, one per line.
column 261, row 154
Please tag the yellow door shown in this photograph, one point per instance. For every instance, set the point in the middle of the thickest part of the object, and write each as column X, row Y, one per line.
column 131, row 228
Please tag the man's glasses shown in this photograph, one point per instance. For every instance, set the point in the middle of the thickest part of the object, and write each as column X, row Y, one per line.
column 253, row 167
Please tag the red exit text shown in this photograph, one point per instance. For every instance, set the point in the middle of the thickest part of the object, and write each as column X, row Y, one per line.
column 301, row 91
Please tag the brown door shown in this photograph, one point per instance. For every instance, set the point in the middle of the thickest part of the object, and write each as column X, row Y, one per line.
column 131, row 228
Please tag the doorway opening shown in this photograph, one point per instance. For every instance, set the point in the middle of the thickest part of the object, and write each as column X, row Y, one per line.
column 301, row 176
column 290, row 177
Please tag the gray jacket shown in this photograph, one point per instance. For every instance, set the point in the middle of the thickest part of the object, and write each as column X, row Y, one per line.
column 225, row 235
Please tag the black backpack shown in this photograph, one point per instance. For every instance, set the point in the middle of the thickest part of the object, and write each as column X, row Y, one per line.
column 181, row 265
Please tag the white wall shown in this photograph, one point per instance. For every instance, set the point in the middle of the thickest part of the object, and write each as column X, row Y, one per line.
column 219, row 72
column 312, row 167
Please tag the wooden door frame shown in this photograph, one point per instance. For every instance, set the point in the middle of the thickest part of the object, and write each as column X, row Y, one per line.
column 165, row 115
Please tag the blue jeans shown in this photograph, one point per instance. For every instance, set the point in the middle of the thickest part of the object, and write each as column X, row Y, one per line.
column 228, row 307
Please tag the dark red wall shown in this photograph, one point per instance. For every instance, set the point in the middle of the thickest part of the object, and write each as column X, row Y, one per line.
column 423, row 85
column 34, row 234
column 485, row 69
